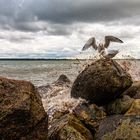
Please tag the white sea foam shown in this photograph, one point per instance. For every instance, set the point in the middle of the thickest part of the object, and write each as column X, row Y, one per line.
column 59, row 100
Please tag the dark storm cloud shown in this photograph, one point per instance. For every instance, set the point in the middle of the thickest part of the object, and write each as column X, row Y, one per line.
column 22, row 14
column 68, row 11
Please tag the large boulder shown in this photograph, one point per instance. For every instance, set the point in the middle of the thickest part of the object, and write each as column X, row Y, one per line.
column 68, row 127
column 119, row 127
column 22, row 115
column 101, row 82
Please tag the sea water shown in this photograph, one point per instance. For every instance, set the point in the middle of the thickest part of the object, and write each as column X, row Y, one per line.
column 42, row 72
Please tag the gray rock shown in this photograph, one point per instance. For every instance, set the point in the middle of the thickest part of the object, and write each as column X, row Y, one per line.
column 63, row 79
column 62, row 82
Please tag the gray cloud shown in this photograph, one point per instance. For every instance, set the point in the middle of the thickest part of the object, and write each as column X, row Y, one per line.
column 16, row 36
column 89, row 11
column 23, row 15
column 32, row 26
column 59, row 29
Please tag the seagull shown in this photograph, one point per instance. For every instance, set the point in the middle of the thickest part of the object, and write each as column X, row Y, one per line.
column 101, row 48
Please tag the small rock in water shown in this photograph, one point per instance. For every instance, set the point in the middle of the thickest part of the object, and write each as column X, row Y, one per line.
column 101, row 82
column 63, row 79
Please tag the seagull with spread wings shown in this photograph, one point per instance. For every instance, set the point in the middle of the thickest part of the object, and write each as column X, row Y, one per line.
column 101, row 48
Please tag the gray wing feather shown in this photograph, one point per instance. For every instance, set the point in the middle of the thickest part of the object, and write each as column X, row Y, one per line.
column 108, row 39
column 89, row 43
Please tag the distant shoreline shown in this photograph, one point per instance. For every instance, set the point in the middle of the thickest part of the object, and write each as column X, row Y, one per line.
column 42, row 59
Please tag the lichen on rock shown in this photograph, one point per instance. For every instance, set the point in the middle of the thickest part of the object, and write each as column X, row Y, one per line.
column 134, row 110
column 119, row 127
column 68, row 127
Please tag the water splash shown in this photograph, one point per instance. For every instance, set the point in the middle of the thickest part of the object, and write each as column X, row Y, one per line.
column 58, row 99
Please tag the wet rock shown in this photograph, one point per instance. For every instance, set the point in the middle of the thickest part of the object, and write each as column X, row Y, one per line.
column 43, row 90
column 134, row 90
column 89, row 115
column 21, row 111
column 137, row 96
column 120, row 105
column 58, row 114
column 63, row 79
column 101, row 82
column 119, row 128
column 63, row 83
column 68, row 127
column 38, row 133
column 134, row 109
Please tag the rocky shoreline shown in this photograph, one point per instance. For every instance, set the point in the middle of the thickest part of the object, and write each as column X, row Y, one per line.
column 103, row 103
column 22, row 115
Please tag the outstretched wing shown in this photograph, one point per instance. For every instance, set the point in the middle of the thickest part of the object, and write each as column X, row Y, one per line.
column 111, row 38
column 89, row 43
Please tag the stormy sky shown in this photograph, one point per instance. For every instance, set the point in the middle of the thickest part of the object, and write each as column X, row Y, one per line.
column 59, row 28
